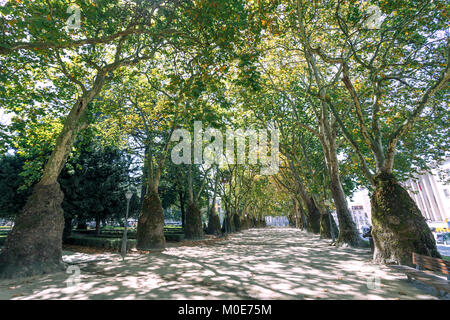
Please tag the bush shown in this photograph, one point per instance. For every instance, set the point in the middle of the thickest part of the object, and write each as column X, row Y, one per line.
column 176, row 237
column 100, row 242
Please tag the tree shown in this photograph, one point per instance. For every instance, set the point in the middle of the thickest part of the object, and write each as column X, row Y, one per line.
column 34, row 245
column 94, row 184
column 291, row 76
column 13, row 197
column 131, row 32
column 390, row 75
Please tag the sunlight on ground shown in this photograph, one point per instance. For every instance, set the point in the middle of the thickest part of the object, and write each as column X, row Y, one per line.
column 256, row 264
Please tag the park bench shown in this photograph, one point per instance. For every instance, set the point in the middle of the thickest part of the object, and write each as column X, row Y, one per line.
column 424, row 263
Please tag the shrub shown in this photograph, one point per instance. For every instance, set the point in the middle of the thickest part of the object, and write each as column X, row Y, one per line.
column 100, row 242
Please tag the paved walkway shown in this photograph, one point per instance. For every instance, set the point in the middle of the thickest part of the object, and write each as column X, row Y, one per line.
column 272, row 263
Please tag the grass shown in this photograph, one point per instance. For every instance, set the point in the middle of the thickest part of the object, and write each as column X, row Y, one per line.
column 446, row 258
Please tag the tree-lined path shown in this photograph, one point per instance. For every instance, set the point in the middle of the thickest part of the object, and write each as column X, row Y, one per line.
column 269, row 263
column 141, row 123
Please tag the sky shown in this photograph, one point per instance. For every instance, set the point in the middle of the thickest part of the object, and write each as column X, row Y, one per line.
column 5, row 119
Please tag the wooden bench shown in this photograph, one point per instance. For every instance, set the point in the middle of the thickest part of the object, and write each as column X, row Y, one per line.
column 424, row 263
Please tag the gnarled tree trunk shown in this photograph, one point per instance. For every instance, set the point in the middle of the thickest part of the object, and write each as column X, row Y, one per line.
column 399, row 229
column 34, row 245
column 214, row 227
column 313, row 216
column 194, row 228
column 150, row 229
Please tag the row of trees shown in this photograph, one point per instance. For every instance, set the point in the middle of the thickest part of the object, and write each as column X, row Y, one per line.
column 356, row 104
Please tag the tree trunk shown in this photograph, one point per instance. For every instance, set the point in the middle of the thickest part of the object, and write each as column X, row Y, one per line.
column 150, row 229
column 97, row 225
column 244, row 223
column 399, row 229
column 262, row 222
column 236, row 222
column 68, row 225
column 325, row 230
column 313, row 213
column 214, row 222
column 81, row 224
column 227, row 225
column 292, row 216
column 194, row 228
column 302, row 217
column 34, row 245
column 252, row 222
column 348, row 234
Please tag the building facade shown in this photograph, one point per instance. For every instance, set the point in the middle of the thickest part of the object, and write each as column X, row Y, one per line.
column 432, row 195
column 281, row 221
column 360, row 217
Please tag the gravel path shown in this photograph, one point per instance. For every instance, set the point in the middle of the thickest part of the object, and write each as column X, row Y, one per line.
column 271, row 263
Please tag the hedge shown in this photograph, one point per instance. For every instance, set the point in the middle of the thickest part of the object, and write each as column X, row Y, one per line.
column 97, row 242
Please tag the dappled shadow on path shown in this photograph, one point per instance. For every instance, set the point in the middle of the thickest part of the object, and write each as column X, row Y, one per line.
column 272, row 263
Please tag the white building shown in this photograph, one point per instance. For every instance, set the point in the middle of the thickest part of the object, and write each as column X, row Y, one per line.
column 277, row 221
column 432, row 196
column 359, row 215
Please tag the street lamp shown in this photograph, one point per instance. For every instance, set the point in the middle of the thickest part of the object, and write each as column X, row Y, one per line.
column 128, row 196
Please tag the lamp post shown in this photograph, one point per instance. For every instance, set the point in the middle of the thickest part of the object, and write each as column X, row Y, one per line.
column 128, row 196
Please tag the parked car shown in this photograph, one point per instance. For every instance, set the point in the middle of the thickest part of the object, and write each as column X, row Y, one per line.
column 443, row 238
column 366, row 231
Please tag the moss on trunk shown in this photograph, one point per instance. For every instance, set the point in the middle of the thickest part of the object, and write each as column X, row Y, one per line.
column 313, row 219
column 214, row 223
column 34, row 245
column 399, row 229
column 194, row 228
column 150, row 229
